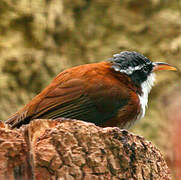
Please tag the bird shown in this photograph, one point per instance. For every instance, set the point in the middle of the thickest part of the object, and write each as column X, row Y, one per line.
column 108, row 93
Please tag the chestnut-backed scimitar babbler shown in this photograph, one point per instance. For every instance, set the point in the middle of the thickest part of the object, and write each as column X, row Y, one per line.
column 108, row 93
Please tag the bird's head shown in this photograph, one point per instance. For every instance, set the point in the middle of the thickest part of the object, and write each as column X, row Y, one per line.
column 138, row 67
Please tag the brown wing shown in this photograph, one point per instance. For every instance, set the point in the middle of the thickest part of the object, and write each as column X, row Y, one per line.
column 45, row 104
column 85, row 93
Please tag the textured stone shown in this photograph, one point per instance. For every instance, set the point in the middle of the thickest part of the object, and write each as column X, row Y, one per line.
column 72, row 149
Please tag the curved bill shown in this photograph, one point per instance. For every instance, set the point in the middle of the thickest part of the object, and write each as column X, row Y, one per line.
column 157, row 66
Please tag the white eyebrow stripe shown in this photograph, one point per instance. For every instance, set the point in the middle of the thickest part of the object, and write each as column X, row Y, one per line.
column 130, row 70
column 137, row 68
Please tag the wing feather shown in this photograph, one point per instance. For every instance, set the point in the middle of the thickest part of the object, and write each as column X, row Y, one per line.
column 91, row 99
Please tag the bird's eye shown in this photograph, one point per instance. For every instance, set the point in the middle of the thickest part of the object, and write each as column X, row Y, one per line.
column 145, row 69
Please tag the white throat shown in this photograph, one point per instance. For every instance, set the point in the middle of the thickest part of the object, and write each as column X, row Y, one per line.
column 146, row 88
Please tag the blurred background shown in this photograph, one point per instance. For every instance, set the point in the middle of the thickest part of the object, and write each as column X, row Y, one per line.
column 40, row 38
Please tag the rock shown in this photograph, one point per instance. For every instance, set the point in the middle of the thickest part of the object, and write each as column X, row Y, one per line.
column 72, row 149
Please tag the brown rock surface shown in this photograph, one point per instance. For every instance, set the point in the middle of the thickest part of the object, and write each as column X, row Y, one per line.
column 14, row 162
column 71, row 149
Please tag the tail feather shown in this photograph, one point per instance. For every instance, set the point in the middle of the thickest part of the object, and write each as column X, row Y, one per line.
column 17, row 119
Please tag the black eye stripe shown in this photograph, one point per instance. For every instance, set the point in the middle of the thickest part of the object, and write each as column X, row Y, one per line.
column 145, row 68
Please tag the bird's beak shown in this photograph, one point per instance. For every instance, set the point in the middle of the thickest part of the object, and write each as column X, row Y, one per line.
column 157, row 66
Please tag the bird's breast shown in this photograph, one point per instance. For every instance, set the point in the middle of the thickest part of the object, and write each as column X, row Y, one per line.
column 127, row 114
